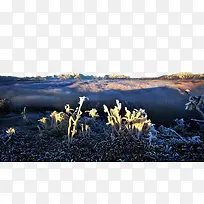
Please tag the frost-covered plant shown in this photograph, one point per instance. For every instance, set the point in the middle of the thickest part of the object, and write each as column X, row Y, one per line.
column 152, row 135
column 25, row 117
column 53, row 119
column 68, row 109
column 73, row 120
column 58, row 119
column 93, row 113
column 196, row 139
column 40, row 131
column 84, row 128
column 168, row 132
column 11, row 131
column 195, row 103
column 180, row 125
column 114, row 117
column 66, row 121
column 44, row 122
column 7, row 137
column 137, row 120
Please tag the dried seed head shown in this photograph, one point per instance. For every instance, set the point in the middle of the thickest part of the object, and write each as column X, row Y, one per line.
column 105, row 109
column 86, row 127
column 118, row 105
column 82, row 99
column 187, row 91
column 11, row 131
column 93, row 113
column 43, row 120
column 53, row 114
column 68, row 109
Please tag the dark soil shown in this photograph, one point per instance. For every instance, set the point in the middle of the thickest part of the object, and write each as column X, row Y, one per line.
column 27, row 145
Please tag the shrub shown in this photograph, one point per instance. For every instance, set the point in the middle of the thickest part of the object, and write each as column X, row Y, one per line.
column 195, row 103
column 135, row 122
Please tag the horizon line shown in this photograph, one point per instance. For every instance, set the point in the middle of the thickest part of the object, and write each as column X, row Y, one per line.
column 149, row 75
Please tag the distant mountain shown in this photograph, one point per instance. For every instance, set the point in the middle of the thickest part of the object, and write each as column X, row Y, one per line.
column 182, row 75
column 78, row 76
